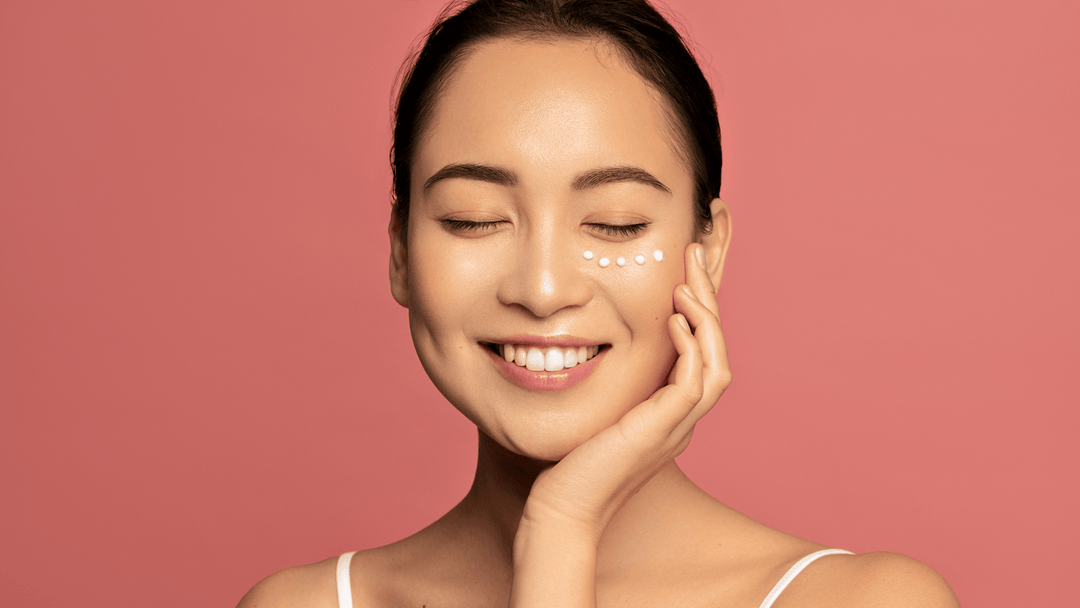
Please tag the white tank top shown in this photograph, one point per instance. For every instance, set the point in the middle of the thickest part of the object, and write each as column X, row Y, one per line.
column 344, row 585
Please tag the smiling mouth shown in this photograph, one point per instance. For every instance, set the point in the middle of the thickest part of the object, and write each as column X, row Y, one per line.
column 538, row 359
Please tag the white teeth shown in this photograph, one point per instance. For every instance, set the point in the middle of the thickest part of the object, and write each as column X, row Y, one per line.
column 534, row 361
column 550, row 360
column 553, row 360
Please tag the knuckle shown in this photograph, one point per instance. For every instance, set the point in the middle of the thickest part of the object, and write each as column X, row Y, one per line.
column 693, row 394
column 724, row 378
column 638, row 430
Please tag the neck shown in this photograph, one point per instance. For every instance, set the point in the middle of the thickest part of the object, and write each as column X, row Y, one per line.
column 503, row 480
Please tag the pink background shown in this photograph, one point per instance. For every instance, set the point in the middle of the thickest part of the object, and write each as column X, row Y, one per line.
column 203, row 377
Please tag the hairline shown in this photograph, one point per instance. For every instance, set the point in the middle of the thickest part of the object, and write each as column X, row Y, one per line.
column 676, row 133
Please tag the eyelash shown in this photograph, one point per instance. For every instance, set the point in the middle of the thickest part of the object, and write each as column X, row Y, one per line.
column 469, row 226
column 621, row 230
column 618, row 230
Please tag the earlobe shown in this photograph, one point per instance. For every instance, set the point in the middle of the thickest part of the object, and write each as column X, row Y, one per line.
column 399, row 267
column 716, row 242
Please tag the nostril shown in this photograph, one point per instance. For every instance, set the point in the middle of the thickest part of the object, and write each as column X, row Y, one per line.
column 543, row 284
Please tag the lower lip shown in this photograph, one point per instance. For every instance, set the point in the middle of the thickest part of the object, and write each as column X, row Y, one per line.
column 544, row 381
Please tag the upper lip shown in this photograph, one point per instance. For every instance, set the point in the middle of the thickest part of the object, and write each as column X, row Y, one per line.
column 547, row 341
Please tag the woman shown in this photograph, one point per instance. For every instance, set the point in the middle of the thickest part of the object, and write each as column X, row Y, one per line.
column 558, row 239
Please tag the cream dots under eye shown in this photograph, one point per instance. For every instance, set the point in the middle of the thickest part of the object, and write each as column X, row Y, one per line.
column 621, row 261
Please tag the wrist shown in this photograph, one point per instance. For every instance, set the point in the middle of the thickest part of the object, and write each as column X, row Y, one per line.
column 539, row 520
column 540, row 532
column 554, row 564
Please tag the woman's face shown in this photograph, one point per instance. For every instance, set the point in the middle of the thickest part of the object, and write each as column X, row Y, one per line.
column 537, row 152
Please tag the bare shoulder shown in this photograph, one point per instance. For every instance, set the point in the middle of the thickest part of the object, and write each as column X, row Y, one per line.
column 311, row 586
column 870, row 580
column 891, row 579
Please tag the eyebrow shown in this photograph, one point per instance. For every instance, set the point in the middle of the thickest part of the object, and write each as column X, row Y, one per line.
column 611, row 175
column 505, row 177
column 483, row 173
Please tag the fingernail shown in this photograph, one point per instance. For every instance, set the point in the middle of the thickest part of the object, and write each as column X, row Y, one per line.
column 699, row 253
column 682, row 321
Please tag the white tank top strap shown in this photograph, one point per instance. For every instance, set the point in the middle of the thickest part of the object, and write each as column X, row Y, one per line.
column 344, row 585
column 794, row 571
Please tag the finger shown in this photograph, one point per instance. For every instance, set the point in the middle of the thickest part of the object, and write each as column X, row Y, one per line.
column 671, row 404
column 706, row 327
column 697, row 276
column 653, row 423
column 716, row 372
column 684, row 442
column 700, row 288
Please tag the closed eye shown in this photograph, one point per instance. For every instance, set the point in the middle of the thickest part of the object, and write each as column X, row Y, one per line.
column 469, row 226
column 621, row 230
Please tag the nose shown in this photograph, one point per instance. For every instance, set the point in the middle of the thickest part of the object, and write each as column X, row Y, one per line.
column 544, row 277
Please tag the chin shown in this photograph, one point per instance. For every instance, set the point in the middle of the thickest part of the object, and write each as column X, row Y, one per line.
column 550, row 442
column 544, row 452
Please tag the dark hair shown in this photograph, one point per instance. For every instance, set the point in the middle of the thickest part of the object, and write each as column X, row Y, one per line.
column 644, row 39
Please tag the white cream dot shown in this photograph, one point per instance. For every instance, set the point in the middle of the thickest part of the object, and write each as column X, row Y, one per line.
column 588, row 255
column 658, row 255
column 621, row 261
column 640, row 259
column 604, row 262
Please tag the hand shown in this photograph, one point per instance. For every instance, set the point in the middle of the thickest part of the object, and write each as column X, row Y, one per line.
column 571, row 503
column 591, row 483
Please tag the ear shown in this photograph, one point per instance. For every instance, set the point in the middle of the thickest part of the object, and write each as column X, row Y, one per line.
column 716, row 242
column 399, row 267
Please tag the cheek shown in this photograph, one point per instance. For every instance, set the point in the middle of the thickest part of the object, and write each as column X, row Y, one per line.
column 640, row 289
column 641, row 296
column 437, row 274
column 445, row 284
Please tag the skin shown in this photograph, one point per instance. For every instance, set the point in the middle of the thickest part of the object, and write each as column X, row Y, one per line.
column 485, row 261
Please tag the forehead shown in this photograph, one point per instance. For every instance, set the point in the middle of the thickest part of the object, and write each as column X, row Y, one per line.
column 552, row 109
